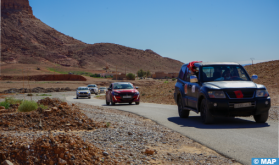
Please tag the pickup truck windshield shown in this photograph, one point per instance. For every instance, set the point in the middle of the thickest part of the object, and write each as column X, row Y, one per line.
column 224, row 73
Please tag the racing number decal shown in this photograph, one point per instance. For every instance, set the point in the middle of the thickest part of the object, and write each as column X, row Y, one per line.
column 185, row 89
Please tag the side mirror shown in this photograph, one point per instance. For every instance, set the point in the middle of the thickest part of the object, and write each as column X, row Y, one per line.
column 137, row 87
column 193, row 79
column 254, row 77
column 109, row 89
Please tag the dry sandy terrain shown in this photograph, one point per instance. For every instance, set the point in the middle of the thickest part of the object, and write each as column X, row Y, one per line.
column 84, row 134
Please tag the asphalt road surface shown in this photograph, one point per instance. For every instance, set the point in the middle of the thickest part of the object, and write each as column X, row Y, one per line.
column 238, row 138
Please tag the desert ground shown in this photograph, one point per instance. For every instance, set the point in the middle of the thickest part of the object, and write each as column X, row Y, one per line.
column 104, row 135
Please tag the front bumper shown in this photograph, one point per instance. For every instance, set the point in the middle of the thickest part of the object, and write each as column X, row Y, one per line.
column 225, row 107
column 83, row 95
column 120, row 99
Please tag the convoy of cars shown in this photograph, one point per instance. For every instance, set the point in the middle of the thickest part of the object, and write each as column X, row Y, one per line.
column 220, row 89
column 211, row 89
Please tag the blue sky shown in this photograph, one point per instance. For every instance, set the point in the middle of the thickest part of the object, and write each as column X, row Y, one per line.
column 185, row 30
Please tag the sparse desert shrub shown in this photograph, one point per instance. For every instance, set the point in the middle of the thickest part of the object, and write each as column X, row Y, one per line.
column 173, row 79
column 130, row 76
column 5, row 104
column 27, row 106
column 29, row 94
column 45, row 94
column 43, row 106
column 95, row 75
column 143, row 94
column 12, row 100
column 166, row 82
column 108, row 124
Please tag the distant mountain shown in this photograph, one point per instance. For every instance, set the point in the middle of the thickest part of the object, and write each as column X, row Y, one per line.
column 25, row 39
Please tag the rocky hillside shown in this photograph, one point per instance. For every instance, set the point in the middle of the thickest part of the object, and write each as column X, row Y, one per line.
column 268, row 73
column 27, row 40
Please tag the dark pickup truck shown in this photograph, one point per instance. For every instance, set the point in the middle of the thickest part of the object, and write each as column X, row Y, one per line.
column 220, row 89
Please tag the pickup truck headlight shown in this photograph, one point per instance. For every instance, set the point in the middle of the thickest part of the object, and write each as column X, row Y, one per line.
column 217, row 94
column 136, row 93
column 262, row 93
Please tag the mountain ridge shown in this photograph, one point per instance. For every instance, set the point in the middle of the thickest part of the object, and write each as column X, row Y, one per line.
column 27, row 40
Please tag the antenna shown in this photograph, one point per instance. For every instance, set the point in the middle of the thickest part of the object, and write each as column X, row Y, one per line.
column 252, row 60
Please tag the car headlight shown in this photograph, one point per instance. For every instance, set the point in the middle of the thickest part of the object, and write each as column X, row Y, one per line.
column 78, row 92
column 262, row 93
column 137, row 93
column 115, row 94
column 217, row 94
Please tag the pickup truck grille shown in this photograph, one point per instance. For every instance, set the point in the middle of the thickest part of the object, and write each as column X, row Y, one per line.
column 247, row 93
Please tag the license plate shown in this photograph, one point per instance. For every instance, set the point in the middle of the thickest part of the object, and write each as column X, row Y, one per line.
column 125, row 97
column 242, row 105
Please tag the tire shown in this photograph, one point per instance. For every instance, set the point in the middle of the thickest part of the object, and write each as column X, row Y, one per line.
column 112, row 103
column 206, row 116
column 96, row 93
column 261, row 118
column 77, row 97
column 107, row 102
column 182, row 113
column 89, row 97
column 130, row 103
column 137, row 103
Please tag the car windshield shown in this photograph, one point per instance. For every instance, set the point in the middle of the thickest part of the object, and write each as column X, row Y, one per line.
column 91, row 85
column 123, row 86
column 224, row 73
column 82, row 88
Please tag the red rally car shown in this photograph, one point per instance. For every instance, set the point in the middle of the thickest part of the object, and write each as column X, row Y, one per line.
column 122, row 92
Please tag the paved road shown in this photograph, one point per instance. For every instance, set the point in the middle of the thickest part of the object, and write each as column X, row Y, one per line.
column 238, row 138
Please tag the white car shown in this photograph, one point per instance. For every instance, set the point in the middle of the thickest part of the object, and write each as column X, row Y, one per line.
column 102, row 90
column 83, row 92
column 93, row 88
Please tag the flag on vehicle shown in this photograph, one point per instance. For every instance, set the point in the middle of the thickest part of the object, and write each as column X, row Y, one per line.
column 238, row 94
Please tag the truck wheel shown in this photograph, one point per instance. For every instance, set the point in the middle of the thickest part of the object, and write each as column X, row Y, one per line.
column 96, row 93
column 261, row 118
column 206, row 116
column 137, row 103
column 77, row 97
column 182, row 113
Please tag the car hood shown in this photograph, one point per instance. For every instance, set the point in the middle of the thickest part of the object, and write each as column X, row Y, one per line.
column 230, row 84
column 83, row 91
column 125, row 90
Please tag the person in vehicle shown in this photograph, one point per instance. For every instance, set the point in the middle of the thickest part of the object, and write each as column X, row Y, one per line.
column 227, row 74
column 217, row 73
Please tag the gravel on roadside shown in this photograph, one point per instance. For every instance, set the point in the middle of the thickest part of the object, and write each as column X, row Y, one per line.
column 132, row 139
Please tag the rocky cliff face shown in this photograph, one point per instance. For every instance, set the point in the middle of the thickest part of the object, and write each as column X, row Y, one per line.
column 15, row 5
column 27, row 40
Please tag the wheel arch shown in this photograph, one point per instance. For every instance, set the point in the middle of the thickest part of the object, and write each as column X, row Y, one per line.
column 201, row 97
